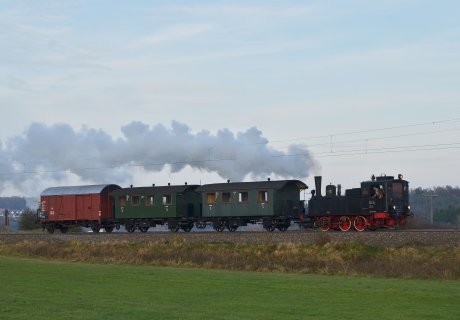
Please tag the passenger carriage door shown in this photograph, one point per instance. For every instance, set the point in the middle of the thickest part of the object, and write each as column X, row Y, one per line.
column 263, row 203
column 190, row 210
column 210, row 203
column 243, row 204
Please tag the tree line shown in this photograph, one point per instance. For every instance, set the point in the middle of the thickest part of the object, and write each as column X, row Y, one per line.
column 13, row 203
column 445, row 202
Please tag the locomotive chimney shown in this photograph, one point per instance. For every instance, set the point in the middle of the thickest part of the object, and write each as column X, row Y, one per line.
column 339, row 189
column 318, row 185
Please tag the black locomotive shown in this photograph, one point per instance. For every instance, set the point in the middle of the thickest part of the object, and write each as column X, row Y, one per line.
column 382, row 202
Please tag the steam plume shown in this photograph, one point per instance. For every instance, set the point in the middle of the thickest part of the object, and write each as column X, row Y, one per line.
column 94, row 156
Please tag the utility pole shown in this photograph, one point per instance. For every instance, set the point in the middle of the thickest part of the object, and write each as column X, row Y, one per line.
column 431, row 196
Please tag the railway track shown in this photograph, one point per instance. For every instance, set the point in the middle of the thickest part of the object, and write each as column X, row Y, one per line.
column 385, row 238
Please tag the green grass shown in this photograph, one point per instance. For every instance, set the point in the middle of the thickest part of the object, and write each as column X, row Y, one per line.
column 37, row 289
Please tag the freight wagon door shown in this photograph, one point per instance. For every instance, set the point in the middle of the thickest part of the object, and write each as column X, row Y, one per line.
column 55, row 207
column 84, row 207
column 64, row 208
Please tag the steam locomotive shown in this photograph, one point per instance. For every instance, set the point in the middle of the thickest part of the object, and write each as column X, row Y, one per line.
column 381, row 202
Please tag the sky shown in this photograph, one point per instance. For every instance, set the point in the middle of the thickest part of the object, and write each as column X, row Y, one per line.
column 142, row 92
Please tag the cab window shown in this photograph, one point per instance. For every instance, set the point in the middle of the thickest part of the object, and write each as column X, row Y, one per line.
column 397, row 190
column 377, row 191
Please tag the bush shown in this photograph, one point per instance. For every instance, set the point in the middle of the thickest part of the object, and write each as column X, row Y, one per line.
column 27, row 220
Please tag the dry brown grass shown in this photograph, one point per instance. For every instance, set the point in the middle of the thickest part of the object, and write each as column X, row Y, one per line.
column 324, row 257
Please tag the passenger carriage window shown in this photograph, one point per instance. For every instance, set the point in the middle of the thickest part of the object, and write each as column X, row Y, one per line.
column 243, row 197
column 122, row 201
column 167, row 199
column 135, row 200
column 149, row 200
column 211, row 198
column 226, row 197
column 262, row 197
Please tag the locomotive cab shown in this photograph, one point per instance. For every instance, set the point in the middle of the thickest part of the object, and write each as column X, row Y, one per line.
column 386, row 196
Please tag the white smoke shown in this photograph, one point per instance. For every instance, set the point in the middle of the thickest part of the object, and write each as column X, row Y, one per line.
column 58, row 153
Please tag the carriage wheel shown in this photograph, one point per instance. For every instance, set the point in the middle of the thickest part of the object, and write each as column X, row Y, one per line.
column 144, row 229
column 218, row 226
column 187, row 228
column 64, row 229
column 270, row 226
column 50, row 229
column 130, row 227
column 95, row 227
column 108, row 229
column 344, row 223
column 232, row 228
column 283, row 228
column 360, row 223
column 174, row 227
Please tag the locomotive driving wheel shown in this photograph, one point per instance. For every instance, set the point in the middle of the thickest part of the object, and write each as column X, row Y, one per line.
column 360, row 223
column 324, row 224
column 344, row 223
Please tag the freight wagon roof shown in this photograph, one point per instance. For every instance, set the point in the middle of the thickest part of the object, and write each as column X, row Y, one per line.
column 76, row 190
column 276, row 185
column 154, row 190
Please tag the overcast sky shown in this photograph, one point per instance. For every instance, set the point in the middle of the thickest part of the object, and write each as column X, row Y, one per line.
column 201, row 91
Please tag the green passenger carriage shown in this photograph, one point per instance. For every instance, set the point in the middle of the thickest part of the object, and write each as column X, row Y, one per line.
column 145, row 207
column 275, row 203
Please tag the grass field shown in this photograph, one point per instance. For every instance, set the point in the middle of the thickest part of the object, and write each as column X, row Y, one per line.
column 330, row 258
column 37, row 289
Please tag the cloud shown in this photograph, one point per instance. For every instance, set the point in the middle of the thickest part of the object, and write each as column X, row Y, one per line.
column 250, row 11
column 174, row 33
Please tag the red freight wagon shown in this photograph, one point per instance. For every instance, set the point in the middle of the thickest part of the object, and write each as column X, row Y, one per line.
column 86, row 206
